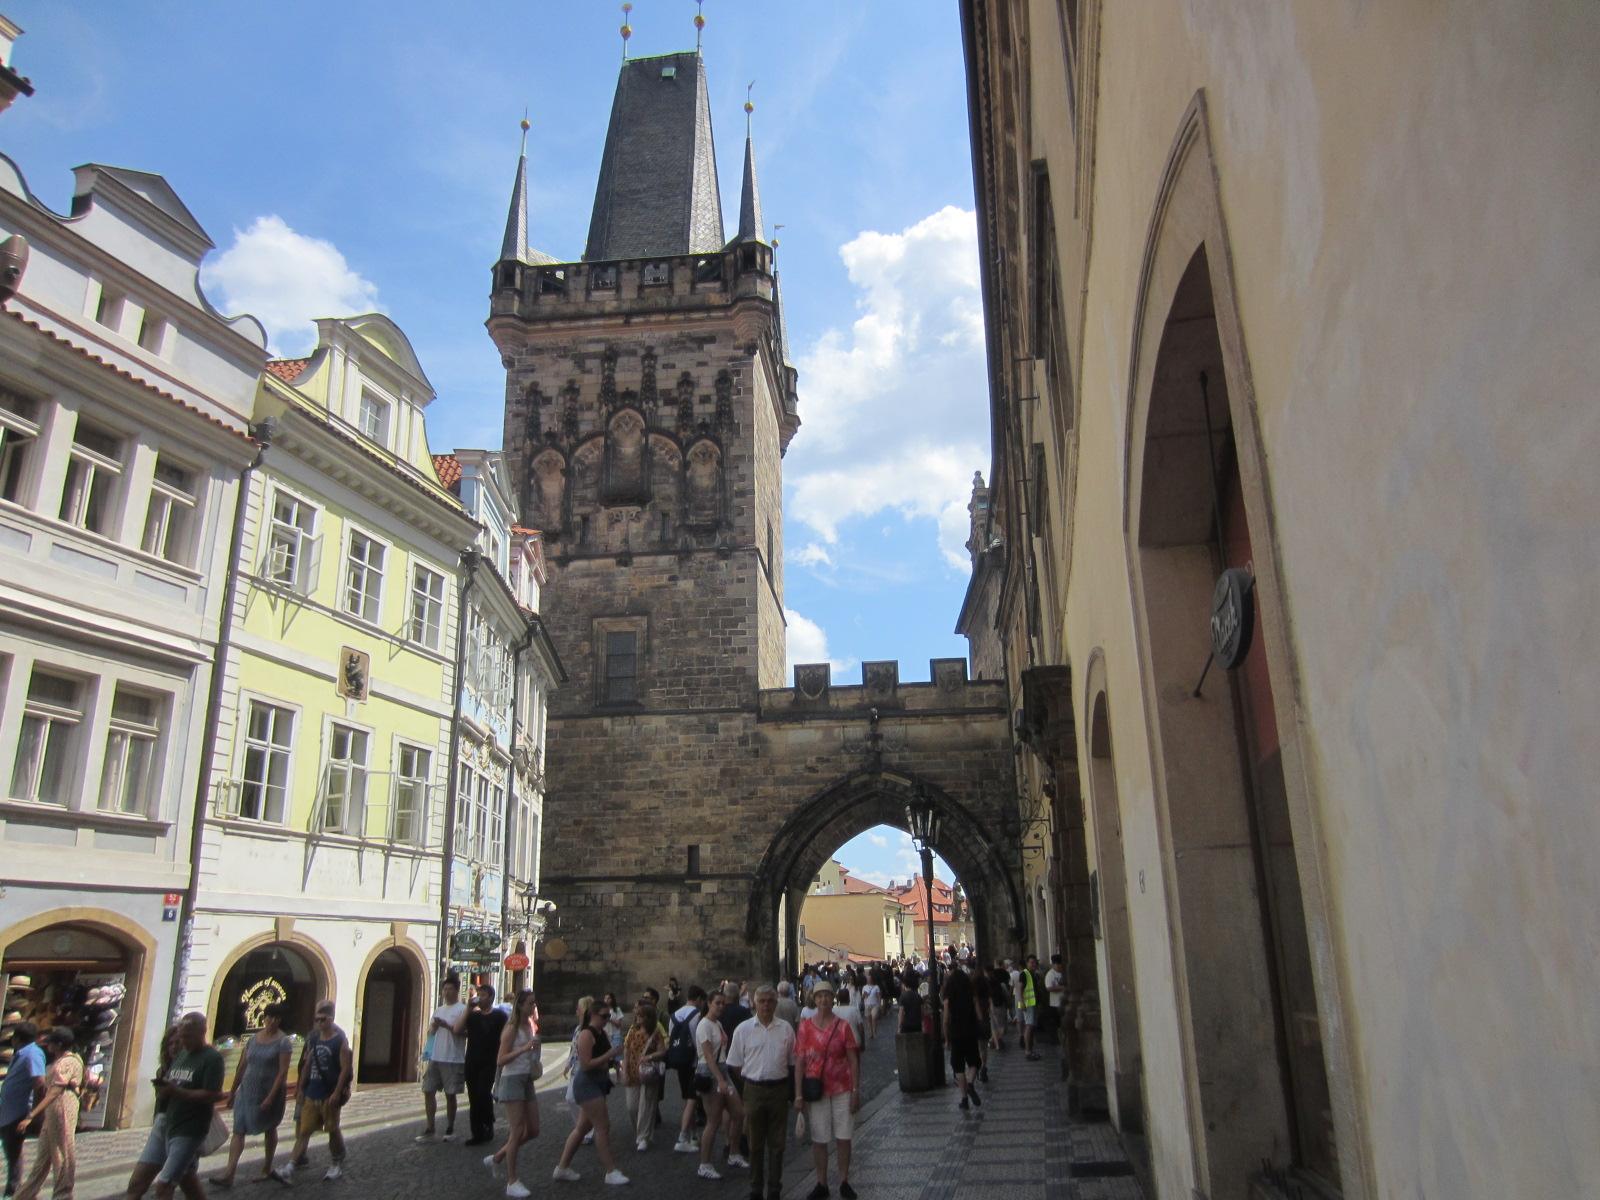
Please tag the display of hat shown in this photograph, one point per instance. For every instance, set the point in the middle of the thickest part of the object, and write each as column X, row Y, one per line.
column 104, row 1019
column 11, row 1017
column 21, row 981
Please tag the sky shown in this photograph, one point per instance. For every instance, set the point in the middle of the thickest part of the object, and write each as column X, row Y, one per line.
column 358, row 156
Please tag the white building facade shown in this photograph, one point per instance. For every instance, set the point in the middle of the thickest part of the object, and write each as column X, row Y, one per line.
column 125, row 403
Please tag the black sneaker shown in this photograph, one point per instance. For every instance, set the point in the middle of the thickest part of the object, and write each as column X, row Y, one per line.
column 820, row 1192
column 965, row 1104
column 976, row 1099
column 983, row 1074
column 846, row 1192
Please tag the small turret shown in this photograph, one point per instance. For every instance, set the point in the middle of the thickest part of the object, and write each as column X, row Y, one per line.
column 514, row 246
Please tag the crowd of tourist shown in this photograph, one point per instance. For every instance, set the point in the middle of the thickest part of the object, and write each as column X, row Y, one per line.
column 746, row 1056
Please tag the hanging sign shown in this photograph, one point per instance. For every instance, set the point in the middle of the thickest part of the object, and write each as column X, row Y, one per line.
column 516, row 962
column 1233, row 616
column 555, row 949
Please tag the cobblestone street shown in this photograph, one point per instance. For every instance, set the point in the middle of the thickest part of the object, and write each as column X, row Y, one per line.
column 1019, row 1145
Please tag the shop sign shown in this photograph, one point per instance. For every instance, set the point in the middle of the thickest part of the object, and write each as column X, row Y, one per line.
column 516, row 962
column 1232, row 617
column 172, row 899
column 555, row 949
column 257, row 997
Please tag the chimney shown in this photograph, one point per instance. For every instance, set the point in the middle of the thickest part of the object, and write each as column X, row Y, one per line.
column 978, row 511
column 12, row 85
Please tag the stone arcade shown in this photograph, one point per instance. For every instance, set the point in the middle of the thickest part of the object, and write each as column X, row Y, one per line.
column 649, row 401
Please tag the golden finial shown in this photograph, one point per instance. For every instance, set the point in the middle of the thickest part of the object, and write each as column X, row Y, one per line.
column 699, row 23
column 526, row 125
column 775, row 229
column 627, row 30
column 749, row 106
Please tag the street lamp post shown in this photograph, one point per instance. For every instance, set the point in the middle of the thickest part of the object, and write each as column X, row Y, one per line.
column 922, row 821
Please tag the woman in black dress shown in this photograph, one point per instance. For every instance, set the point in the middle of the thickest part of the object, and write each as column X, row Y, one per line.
column 961, row 1033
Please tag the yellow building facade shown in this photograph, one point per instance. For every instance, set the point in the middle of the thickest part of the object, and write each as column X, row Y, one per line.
column 327, row 791
column 867, row 924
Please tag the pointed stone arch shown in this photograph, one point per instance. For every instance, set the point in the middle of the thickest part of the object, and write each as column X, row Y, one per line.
column 854, row 803
column 704, row 500
column 626, row 475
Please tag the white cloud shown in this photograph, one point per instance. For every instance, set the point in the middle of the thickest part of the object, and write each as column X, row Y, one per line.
column 911, row 363
column 921, row 480
column 808, row 643
column 879, row 878
column 286, row 279
column 814, row 554
column 877, row 839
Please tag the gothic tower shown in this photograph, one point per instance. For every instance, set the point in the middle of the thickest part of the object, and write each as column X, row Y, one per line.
column 649, row 401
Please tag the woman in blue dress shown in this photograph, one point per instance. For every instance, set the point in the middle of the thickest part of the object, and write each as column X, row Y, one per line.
column 260, row 1086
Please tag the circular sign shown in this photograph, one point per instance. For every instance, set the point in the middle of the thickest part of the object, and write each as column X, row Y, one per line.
column 1233, row 616
column 516, row 962
column 555, row 949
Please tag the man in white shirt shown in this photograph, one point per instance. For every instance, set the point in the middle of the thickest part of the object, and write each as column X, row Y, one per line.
column 788, row 1010
column 851, row 1012
column 445, row 1045
column 1055, row 986
column 763, row 1051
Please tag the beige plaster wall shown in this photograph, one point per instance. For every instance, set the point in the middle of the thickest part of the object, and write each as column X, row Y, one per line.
column 1409, row 191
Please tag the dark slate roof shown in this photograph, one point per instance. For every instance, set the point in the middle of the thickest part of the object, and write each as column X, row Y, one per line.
column 515, row 243
column 750, row 199
column 658, row 191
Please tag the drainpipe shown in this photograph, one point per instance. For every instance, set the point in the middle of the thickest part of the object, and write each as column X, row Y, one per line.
column 262, row 432
column 517, row 652
column 469, row 567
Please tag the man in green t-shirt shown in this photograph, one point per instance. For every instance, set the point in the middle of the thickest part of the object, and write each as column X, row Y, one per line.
column 187, row 1092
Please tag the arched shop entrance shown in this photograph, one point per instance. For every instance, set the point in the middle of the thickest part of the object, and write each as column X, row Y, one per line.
column 275, row 973
column 390, row 1010
column 90, row 976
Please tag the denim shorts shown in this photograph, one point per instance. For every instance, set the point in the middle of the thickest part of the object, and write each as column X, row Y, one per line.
column 515, row 1087
column 176, row 1156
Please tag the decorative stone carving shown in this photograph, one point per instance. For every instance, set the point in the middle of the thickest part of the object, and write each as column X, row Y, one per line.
column 882, row 680
column 608, row 380
column 685, row 404
column 549, row 491
column 626, row 471
column 812, row 680
column 647, row 384
column 703, row 480
column 949, row 674
column 569, row 412
column 724, row 399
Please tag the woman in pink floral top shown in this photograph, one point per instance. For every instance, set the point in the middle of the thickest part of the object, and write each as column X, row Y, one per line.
column 825, row 1048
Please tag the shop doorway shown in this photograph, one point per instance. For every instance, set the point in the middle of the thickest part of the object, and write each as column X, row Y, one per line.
column 1125, row 1056
column 1253, row 1019
column 276, row 973
column 388, row 1020
column 88, row 979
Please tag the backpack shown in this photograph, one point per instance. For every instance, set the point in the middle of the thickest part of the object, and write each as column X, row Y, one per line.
column 680, row 1044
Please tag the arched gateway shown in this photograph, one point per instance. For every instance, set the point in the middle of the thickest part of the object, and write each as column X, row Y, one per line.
column 650, row 397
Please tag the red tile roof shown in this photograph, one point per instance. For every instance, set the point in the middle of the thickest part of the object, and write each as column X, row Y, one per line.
column 128, row 375
column 525, row 531
column 448, row 468
column 288, row 369
column 858, row 887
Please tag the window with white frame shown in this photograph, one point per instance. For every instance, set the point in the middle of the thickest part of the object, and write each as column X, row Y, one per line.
column 47, row 749
column 152, row 331
column 495, row 839
column 94, row 467
column 408, row 822
column 480, row 816
column 525, row 839
column 19, row 442
column 264, row 782
column 292, row 543
column 130, row 777
column 363, row 576
column 375, row 418
column 108, row 309
column 466, row 787
column 427, row 606
column 169, row 521
column 344, row 797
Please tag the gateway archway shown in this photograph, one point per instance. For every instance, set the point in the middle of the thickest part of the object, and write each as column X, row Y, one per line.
column 854, row 804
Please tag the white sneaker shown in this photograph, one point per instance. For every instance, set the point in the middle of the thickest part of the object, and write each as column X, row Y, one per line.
column 565, row 1175
column 334, row 1172
column 284, row 1174
column 617, row 1178
column 684, row 1146
column 489, row 1163
column 425, row 1137
column 641, row 1145
column 739, row 1160
column 517, row 1190
column 588, row 1138
column 707, row 1171
column 447, row 1136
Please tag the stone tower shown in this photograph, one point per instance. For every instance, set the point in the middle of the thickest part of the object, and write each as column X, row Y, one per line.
column 649, row 401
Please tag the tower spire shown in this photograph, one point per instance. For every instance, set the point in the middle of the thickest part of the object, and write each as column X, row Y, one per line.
column 514, row 245
column 699, row 23
column 749, row 196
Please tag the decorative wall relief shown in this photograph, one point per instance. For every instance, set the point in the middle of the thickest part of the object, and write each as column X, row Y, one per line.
column 724, row 400
column 703, row 480
column 608, row 380
column 666, row 479
column 584, row 478
column 569, row 412
column 626, row 470
column 548, row 511
column 685, row 405
column 647, row 385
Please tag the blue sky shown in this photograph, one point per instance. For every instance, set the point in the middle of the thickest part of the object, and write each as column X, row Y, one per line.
column 352, row 156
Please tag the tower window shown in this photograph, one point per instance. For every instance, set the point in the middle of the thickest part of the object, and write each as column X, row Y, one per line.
column 621, row 668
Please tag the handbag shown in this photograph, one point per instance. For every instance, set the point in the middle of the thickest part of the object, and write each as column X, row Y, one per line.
column 215, row 1136
column 811, row 1086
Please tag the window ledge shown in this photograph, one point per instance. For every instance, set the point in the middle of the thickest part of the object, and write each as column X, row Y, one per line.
column 53, row 814
column 67, row 531
column 270, row 829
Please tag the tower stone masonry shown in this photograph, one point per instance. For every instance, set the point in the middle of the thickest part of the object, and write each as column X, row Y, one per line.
column 649, row 402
